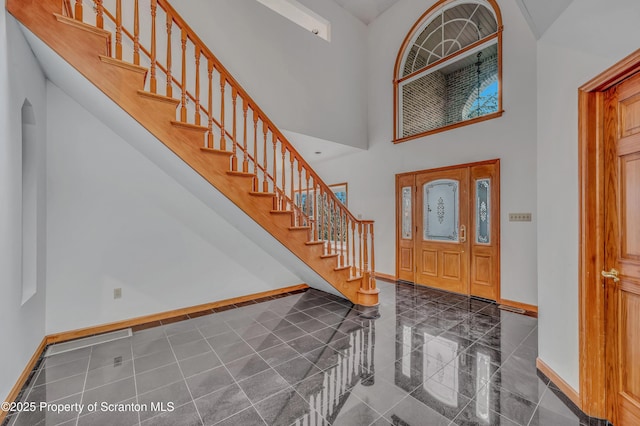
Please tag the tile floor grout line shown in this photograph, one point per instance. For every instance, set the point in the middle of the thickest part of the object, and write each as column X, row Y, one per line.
column 84, row 385
column 270, row 367
column 185, row 380
column 546, row 389
column 135, row 380
column 273, row 367
column 231, row 375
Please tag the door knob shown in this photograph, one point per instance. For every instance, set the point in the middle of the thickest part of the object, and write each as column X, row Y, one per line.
column 613, row 273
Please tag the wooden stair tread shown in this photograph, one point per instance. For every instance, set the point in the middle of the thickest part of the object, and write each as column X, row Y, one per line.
column 123, row 64
column 241, row 174
column 356, row 278
column 314, row 243
column 189, row 126
column 299, row 228
column 216, row 151
column 342, row 268
column 81, row 25
column 289, row 212
column 158, row 97
column 329, row 256
column 262, row 194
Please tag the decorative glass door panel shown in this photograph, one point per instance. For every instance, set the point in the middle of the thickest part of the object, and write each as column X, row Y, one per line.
column 405, row 227
column 441, row 210
column 483, row 211
column 407, row 223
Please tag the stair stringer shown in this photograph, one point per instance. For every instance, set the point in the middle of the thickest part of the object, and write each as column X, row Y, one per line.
column 72, row 82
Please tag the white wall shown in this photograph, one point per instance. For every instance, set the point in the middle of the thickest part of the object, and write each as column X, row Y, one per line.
column 115, row 219
column 22, row 325
column 589, row 37
column 304, row 84
column 511, row 138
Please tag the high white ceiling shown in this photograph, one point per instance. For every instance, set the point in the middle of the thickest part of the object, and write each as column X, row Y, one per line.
column 540, row 14
column 366, row 10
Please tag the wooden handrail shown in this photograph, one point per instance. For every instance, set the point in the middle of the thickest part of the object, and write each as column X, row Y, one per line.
column 205, row 111
column 346, row 237
column 243, row 94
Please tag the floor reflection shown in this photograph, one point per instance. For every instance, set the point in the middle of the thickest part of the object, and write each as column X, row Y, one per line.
column 423, row 357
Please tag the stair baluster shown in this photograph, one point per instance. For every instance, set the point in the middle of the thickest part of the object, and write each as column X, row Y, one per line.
column 67, row 9
column 78, row 13
column 234, row 103
column 169, row 26
column 119, row 29
column 223, row 142
column 197, row 108
column 152, row 71
column 183, row 99
column 99, row 14
column 136, row 34
column 245, row 159
column 255, row 150
column 210, row 140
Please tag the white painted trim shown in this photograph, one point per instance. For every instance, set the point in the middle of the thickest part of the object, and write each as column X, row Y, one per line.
column 301, row 15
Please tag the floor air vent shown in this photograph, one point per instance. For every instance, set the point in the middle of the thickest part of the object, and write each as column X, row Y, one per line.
column 512, row 309
column 87, row 342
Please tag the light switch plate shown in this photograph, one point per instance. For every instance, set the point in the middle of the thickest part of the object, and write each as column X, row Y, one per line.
column 519, row 217
column 117, row 293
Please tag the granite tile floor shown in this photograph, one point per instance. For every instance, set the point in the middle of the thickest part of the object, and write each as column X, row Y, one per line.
column 429, row 358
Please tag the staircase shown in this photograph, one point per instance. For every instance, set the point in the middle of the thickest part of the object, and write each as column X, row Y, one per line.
column 144, row 57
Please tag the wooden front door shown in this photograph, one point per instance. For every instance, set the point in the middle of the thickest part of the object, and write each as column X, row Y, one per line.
column 448, row 228
column 622, row 251
column 442, row 215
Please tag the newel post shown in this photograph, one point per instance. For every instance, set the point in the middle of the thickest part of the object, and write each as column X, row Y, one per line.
column 368, row 293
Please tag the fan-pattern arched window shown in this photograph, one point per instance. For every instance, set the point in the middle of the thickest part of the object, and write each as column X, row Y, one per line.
column 448, row 70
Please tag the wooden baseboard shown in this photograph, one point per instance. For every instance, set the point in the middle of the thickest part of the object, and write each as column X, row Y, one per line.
column 569, row 391
column 119, row 325
column 15, row 391
column 529, row 308
column 385, row 277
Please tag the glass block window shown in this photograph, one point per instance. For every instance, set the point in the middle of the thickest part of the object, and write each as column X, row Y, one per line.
column 441, row 210
column 406, row 213
column 483, row 211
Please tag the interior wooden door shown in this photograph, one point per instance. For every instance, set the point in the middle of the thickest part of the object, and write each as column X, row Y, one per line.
column 622, row 251
column 442, row 216
column 405, row 227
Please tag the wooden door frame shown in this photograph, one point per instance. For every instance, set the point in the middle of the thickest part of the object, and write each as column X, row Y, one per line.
column 495, row 161
column 591, row 292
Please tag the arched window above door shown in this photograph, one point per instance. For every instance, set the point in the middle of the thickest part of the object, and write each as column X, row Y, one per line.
column 448, row 70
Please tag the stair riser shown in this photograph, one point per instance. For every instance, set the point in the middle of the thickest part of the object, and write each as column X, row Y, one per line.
column 162, row 108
